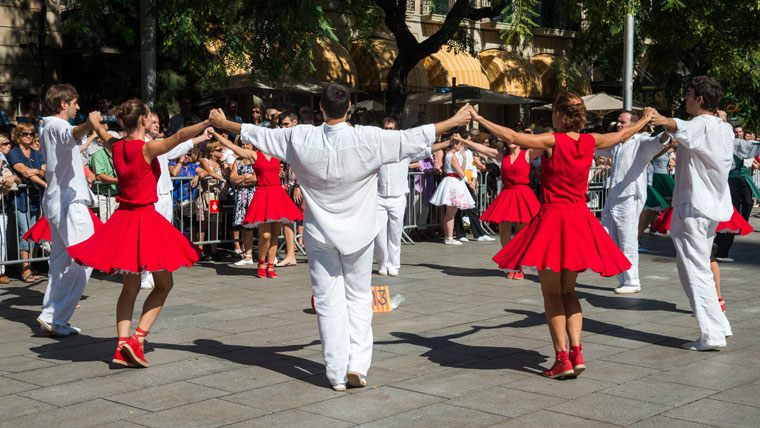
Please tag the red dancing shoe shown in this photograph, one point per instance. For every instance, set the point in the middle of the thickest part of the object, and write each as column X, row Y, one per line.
column 132, row 350
column 262, row 269
column 118, row 359
column 576, row 360
column 519, row 275
column 561, row 367
column 270, row 271
column 510, row 275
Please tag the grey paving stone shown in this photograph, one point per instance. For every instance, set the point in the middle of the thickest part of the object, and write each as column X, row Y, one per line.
column 611, row 371
column 660, row 357
column 543, row 419
column 244, row 379
column 748, row 394
column 69, row 393
column 711, row 375
column 437, row 415
column 610, row 409
column 286, row 395
column 166, row 396
column 505, row 401
column 209, row 413
column 717, row 413
column 663, row 421
column 13, row 406
column 58, row 374
column 456, row 382
column 89, row 414
column 291, row 418
column 12, row 386
column 364, row 406
column 567, row 389
column 659, row 392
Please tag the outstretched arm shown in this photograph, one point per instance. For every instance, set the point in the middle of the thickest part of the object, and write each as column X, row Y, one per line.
column 484, row 150
column 94, row 120
column 243, row 153
column 154, row 148
column 529, row 141
column 608, row 140
column 461, row 118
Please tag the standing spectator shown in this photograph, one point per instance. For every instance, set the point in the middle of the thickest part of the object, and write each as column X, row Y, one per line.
column 30, row 166
column 244, row 180
column 232, row 114
column 8, row 182
column 102, row 165
column 289, row 120
column 180, row 120
column 256, row 116
column 104, row 107
column 186, row 166
column 211, row 190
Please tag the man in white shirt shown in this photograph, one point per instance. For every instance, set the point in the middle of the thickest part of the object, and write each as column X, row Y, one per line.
column 700, row 201
column 337, row 166
column 65, row 204
column 164, row 205
column 392, row 190
column 627, row 194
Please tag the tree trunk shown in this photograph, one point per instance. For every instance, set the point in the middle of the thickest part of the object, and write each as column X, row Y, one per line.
column 397, row 86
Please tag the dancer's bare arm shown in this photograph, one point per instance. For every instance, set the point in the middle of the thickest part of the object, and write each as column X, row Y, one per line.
column 528, row 141
column 608, row 140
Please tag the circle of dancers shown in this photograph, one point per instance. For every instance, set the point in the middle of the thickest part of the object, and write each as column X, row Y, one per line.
column 353, row 182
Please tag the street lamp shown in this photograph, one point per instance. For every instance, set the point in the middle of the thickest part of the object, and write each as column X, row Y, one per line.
column 20, row 85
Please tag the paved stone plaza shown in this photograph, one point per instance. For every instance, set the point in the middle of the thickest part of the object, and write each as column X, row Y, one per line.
column 465, row 349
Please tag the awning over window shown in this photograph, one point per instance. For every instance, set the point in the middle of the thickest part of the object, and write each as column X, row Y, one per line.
column 374, row 58
column 442, row 66
column 544, row 64
column 511, row 73
column 333, row 63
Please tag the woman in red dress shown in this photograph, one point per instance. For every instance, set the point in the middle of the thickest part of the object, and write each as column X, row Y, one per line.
column 269, row 206
column 564, row 238
column 137, row 238
column 516, row 204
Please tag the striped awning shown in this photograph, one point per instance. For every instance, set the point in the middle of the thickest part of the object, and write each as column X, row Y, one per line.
column 543, row 63
column 374, row 59
column 442, row 66
column 511, row 73
column 333, row 63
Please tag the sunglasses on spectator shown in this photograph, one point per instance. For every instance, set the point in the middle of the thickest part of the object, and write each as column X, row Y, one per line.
column 5, row 143
column 27, row 134
column 257, row 111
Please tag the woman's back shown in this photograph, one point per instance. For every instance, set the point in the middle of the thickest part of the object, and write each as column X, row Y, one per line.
column 564, row 176
column 137, row 180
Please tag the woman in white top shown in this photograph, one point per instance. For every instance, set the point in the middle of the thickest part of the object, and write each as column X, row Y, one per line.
column 452, row 191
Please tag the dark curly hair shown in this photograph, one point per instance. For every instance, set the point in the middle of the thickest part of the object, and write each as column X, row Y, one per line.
column 709, row 90
column 572, row 111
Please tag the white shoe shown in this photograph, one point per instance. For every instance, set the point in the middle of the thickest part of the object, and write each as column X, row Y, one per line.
column 147, row 286
column 464, row 239
column 486, row 238
column 356, row 380
column 59, row 330
column 243, row 262
column 340, row 387
column 392, row 272
column 627, row 289
column 724, row 259
column 451, row 241
column 238, row 251
column 466, row 221
column 697, row 345
column 382, row 272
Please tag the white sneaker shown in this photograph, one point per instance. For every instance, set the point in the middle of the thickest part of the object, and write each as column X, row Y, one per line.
column 382, row 272
column 464, row 239
column 243, row 262
column 392, row 272
column 697, row 345
column 59, row 330
column 466, row 221
column 627, row 289
column 451, row 241
column 356, row 380
column 147, row 286
column 238, row 251
column 340, row 387
column 485, row 238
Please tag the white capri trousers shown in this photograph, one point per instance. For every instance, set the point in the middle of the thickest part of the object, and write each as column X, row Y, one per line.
column 693, row 237
column 66, row 278
column 341, row 284
column 621, row 220
column 390, row 223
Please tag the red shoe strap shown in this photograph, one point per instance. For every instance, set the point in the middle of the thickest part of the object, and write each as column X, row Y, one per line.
column 141, row 332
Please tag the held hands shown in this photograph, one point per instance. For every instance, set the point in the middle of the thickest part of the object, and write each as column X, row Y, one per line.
column 217, row 117
column 94, row 119
column 722, row 114
column 657, row 119
column 463, row 116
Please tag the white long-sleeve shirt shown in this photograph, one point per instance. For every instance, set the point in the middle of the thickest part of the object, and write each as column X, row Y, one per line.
column 64, row 171
column 393, row 178
column 705, row 154
column 337, row 169
column 628, row 174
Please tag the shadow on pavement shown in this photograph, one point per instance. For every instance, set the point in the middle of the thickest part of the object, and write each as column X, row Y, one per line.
column 461, row 271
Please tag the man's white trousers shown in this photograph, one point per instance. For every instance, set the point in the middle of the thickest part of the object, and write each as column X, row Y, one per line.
column 341, row 284
column 165, row 208
column 620, row 218
column 390, row 224
column 693, row 237
column 66, row 278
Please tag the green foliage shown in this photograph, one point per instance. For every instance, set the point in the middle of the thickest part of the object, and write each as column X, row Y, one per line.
column 675, row 40
column 519, row 17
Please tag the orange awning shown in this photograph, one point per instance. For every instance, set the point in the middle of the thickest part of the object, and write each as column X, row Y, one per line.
column 442, row 66
column 333, row 63
column 374, row 59
column 544, row 64
column 511, row 73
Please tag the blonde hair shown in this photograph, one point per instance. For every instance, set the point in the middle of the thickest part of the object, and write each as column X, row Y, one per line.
column 211, row 146
column 23, row 127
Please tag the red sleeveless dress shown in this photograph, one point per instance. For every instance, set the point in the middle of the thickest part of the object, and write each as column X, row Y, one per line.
column 40, row 231
column 736, row 225
column 136, row 238
column 516, row 201
column 270, row 202
column 564, row 234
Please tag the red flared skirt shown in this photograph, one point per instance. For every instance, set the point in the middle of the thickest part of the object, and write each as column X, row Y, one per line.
column 736, row 225
column 40, row 231
column 514, row 203
column 270, row 204
column 136, row 239
column 563, row 236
